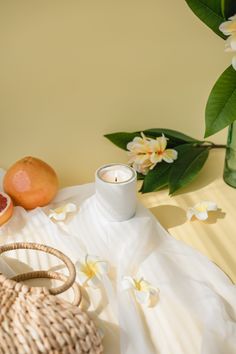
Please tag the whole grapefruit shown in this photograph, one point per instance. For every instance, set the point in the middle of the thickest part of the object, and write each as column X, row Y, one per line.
column 6, row 208
column 31, row 183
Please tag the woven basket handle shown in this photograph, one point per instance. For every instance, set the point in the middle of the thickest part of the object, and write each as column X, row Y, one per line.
column 50, row 275
column 69, row 281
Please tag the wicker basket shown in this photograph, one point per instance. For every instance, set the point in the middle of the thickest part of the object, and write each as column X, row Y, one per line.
column 33, row 320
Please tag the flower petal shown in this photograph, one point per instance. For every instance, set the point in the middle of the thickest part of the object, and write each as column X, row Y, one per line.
column 59, row 213
column 128, row 283
column 56, row 216
column 201, row 206
column 94, row 282
column 170, row 155
column 211, row 206
column 142, row 168
column 142, row 297
column 200, row 210
column 81, row 277
column 155, row 145
column 190, row 213
column 101, row 267
column 143, row 136
column 201, row 215
column 144, row 285
column 70, row 207
column 224, row 28
column 155, row 158
column 92, row 259
column 162, row 142
column 135, row 143
column 154, row 291
column 142, row 159
column 228, row 27
column 230, row 43
column 131, row 161
column 138, row 145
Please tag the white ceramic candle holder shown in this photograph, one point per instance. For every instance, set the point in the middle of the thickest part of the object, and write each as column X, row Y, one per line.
column 116, row 191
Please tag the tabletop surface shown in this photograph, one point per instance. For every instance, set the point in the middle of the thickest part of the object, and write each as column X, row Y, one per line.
column 215, row 237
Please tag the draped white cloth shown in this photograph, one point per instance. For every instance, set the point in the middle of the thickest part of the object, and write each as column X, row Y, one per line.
column 196, row 311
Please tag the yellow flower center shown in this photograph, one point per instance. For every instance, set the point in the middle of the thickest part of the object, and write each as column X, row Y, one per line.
column 90, row 270
column 138, row 285
column 201, row 208
column 59, row 210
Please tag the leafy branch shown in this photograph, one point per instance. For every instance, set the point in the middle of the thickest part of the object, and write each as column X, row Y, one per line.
column 221, row 105
column 220, row 112
column 192, row 155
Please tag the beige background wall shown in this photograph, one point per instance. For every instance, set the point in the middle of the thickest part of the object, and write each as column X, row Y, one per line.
column 71, row 71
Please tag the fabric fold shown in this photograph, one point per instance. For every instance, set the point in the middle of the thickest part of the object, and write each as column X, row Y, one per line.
column 196, row 309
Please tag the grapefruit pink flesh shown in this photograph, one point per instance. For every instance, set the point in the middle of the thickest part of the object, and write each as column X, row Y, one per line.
column 6, row 208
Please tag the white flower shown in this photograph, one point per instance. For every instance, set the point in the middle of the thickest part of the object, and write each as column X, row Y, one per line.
column 146, row 152
column 59, row 214
column 144, row 292
column 91, row 271
column 160, row 152
column 230, row 43
column 200, row 210
column 229, row 29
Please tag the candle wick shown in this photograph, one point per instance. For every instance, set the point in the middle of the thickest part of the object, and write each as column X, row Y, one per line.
column 115, row 179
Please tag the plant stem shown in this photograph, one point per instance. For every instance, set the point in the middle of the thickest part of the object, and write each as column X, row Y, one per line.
column 211, row 145
column 222, row 3
column 218, row 146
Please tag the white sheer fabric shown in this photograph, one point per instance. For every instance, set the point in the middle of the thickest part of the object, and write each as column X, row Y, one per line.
column 196, row 311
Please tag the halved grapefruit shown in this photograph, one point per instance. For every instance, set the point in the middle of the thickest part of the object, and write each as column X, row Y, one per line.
column 6, row 208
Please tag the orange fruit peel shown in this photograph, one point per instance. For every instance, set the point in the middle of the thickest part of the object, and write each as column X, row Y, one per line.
column 31, row 183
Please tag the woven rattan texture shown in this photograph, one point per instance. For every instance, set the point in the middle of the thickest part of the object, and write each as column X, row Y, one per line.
column 34, row 321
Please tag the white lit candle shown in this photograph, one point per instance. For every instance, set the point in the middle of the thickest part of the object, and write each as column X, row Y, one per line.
column 116, row 191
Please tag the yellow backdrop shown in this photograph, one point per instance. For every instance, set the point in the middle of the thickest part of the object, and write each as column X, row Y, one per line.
column 71, row 71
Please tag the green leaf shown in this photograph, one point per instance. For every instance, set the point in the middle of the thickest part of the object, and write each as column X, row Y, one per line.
column 228, row 8
column 121, row 139
column 221, row 105
column 210, row 12
column 140, row 176
column 186, row 168
column 175, row 137
column 156, row 178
